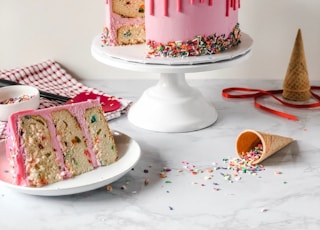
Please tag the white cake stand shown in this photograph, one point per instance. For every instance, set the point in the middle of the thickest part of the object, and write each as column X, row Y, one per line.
column 171, row 105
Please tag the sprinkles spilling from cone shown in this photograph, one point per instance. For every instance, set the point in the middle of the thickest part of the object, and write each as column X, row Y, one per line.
column 254, row 154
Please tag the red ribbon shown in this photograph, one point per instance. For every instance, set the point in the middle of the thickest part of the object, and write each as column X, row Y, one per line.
column 256, row 93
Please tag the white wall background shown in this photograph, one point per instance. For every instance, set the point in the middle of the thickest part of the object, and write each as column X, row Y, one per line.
column 32, row 31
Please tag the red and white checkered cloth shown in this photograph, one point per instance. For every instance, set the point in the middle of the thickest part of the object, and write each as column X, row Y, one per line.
column 49, row 76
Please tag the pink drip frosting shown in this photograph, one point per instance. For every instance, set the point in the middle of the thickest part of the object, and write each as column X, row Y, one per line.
column 234, row 4
column 181, row 20
column 16, row 153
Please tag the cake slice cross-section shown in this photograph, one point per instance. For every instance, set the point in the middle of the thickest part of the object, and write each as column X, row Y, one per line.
column 50, row 145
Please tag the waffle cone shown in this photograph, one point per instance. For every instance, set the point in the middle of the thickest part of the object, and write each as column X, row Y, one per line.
column 249, row 139
column 296, row 85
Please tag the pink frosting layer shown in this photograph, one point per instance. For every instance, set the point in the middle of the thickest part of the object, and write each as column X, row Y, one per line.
column 181, row 20
column 15, row 152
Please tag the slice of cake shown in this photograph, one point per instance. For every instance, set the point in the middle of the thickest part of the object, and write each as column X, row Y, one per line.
column 124, row 22
column 49, row 145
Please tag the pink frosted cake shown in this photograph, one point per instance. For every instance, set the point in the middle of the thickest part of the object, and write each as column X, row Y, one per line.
column 175, row 28
column 49, row 145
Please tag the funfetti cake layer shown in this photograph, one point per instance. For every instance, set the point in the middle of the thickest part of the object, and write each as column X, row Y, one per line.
column 124, row 22
column 191, row 27
column 50, row 145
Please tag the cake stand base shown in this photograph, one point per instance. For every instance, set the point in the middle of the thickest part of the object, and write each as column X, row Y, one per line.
column 172, row 106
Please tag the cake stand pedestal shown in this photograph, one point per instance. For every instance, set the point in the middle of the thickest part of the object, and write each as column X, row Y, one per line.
column 172, row 105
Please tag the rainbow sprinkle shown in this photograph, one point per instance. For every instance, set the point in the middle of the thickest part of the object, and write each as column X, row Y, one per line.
column 16, row 100
column 200, row 45
column 254, row 154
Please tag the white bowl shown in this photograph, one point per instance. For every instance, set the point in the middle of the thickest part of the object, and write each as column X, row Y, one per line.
column 16, row 92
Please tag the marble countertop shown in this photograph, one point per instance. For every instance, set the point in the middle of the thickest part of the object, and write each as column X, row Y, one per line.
column 286, row 195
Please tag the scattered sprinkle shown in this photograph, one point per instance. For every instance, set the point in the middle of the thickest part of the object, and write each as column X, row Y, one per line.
column 209, row 177
column 209, row 170
column 109, row 188
column 264, row 210
column 277, row 172
column 163, row 175
column 166, row 169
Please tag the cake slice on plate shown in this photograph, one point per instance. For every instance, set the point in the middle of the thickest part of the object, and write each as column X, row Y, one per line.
column 50, row 145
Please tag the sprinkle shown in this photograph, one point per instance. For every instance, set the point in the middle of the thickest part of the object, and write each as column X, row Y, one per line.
column 123, row 187
column 16, row 100
column 264, row 210
column 93, row 119
column 146, row 181
column 171, row 208
column 209, row 170
column 163, row 175
column 200, row 45
column 146, row 171
column 208, row 177
column 109, row 188
column 168, row 182
column 277, row 172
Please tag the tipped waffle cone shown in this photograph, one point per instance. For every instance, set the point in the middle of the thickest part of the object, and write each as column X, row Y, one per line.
column 249, row 139
column 296, row 86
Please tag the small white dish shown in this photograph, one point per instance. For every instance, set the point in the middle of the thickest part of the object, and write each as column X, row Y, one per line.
column 17, row 98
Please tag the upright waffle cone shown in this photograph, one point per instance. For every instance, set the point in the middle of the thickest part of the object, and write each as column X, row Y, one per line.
column 249, row 139
column 296, row 86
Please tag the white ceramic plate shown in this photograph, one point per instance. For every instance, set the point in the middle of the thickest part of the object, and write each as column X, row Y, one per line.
column 129, row 154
